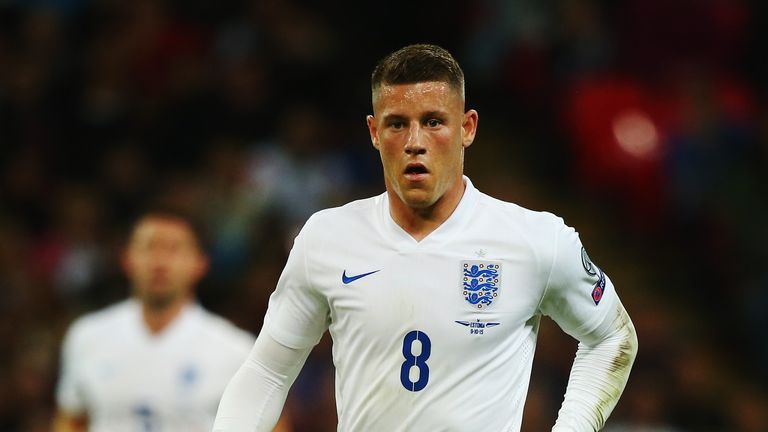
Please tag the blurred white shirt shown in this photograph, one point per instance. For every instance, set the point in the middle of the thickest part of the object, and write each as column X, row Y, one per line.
column 128, row 379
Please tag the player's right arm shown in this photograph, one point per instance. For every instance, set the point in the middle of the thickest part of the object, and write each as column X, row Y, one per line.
column 65, row 421
column 71, row 413
column 296, row 318
column 254, row 397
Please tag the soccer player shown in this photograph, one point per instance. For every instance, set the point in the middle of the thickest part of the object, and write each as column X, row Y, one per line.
column 433, row 291
column 157, row 361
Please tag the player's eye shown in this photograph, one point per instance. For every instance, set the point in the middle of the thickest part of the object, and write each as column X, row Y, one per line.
column 397, row 124
column 434, row 122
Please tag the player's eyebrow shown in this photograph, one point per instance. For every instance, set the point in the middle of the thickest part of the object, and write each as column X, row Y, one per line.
column 422, row 116
column 433, row 114
column 393, row 117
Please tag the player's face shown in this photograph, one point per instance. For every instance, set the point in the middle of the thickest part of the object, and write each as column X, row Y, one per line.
column 163, row 261
column 421, row 131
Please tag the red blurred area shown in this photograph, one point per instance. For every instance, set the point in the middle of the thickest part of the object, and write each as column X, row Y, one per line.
column 601, row 112
column 620, row 129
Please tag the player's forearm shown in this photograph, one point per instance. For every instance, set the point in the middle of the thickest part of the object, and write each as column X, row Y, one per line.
column 249, row 403
column 254, row 397
column 598, row 377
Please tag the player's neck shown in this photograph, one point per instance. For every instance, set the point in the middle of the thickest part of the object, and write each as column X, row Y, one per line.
column 158, row 319
column 421, row 222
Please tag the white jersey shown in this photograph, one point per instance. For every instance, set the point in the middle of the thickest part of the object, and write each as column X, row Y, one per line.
column 127, row 379
column 435, row 335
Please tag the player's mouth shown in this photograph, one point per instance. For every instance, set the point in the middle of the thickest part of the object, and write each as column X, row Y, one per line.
column 415, row 172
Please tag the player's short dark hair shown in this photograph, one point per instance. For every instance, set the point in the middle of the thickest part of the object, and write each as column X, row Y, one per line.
column 418, row 63
column 164, row 210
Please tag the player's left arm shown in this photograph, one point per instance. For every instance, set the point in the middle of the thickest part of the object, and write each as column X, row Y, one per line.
column 582, row 300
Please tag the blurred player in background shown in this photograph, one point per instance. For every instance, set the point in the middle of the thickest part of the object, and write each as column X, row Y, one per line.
column 433, row 291
column 157, row 361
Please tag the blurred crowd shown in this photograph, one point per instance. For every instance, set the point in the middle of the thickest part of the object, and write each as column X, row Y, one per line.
column 644, row 123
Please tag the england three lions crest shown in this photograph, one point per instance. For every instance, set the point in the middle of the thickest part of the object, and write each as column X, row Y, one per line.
column 480, row 282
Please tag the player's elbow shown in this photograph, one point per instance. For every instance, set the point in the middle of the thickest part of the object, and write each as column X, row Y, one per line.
column 628, row 346
column 633, row 343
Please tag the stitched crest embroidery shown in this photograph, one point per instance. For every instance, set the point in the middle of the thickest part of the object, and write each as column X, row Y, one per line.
column 480, row 282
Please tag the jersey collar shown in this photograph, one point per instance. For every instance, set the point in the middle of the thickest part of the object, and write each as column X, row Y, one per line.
column 183, row 322
column 445, row 230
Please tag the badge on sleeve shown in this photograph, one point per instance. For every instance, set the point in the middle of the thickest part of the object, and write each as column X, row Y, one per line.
column 593, row 270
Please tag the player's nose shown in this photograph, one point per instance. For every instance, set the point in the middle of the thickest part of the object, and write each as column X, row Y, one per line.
column 414, row 143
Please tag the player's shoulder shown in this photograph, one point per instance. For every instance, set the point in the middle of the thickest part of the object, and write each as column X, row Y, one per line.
column 103, row 322
column 343, row 217
column 352, row 209
column 535, row 222
column 223, row 332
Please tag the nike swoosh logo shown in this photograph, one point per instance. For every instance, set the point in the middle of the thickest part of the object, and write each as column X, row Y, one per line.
column 349, row 279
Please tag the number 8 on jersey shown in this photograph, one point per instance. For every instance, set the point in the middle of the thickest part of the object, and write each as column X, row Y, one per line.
column 415, row 360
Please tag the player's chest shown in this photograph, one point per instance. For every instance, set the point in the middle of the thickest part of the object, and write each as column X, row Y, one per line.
column 136, row 378
column 466, row 285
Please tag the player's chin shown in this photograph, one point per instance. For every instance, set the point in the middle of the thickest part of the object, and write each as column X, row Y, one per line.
column 160, row 301
column 157, row 296
column 418, row 198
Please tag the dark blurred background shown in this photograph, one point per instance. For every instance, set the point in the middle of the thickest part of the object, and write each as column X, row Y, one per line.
column 644, row 123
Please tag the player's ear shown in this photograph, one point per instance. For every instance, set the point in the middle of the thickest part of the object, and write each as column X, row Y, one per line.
column 469, row 128
column 202, row 265
column 372, row 130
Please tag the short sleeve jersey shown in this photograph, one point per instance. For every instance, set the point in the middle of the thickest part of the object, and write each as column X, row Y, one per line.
column 438, row 334
column 127, row 379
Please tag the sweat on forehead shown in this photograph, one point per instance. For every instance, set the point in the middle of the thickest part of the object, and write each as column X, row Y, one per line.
column 417, row 94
